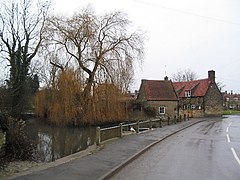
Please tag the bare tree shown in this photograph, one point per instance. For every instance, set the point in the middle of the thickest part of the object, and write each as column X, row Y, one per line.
column 184, row 75
column 100, row 50
column 21, row 33
column 101, row 46
column 220, row 85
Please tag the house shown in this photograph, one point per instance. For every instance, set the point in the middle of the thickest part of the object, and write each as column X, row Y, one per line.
column 231, row 101
column 199, row 98
column 158, row 96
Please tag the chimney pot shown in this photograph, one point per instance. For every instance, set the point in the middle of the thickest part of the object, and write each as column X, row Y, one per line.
column 211, row 76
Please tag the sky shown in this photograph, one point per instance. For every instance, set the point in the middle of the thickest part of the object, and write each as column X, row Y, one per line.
column 188, row 34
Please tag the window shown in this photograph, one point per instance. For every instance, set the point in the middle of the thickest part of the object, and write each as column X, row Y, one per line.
column 188, row 93
column 186, row 106
column 235, row 99
column 227, row 99
column 161, row 110
column 193, row 106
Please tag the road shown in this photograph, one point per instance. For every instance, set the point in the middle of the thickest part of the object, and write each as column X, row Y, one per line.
column 207, row 150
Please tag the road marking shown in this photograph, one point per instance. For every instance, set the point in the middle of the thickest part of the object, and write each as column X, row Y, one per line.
column 228, row 139
column 228, row 126
column 235, row 156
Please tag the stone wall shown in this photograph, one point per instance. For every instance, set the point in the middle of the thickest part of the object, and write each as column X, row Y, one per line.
column 170, row 107
column 197, row 113
column 192, row 107
column 2, row 143
column 213, row 101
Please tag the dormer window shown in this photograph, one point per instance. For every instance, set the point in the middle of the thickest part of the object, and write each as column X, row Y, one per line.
column 188, row 93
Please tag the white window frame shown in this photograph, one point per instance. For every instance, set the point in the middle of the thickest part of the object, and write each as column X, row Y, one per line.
column 193, row 106
column 162, row 110
column 188, row 93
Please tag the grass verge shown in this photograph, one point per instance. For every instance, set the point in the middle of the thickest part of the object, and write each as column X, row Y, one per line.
column 231, row 112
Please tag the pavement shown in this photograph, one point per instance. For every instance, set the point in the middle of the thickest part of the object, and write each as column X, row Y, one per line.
column 112, row 156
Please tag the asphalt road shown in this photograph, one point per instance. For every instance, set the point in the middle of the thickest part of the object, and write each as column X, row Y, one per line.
column 102, row 164
column 207, row 150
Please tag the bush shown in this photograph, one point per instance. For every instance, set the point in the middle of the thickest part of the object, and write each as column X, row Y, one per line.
column 18, row 145
column 150, row 111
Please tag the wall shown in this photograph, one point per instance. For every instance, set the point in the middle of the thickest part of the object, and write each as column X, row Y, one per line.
column 213, row 101
column 192, row 113
column 197, row 112
column 170, row 110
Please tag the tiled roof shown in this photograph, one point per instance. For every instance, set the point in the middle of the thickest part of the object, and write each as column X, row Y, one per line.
column 198, row 88
column 156, row 90
column 231, row 96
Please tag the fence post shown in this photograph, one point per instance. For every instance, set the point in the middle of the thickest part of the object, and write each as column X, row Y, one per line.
column 175, row 120
column 184, row 117
column 121, row 130
column 168, row 120
column 160, row 122
column 137, row 130
column 150, row 124
column 98, row 140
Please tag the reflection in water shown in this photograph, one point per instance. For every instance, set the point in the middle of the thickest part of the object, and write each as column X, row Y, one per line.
column 56, row 142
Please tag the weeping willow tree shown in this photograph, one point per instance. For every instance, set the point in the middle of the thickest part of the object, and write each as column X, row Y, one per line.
column 64, row 103
column 100, row 46
column 108, row 104
column 61, row 103
column 103, row 50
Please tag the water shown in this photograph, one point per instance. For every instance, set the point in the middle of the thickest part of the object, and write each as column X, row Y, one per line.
column 52, row 142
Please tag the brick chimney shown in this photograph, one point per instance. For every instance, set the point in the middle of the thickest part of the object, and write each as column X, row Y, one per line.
column 166, row 78
column 211, row 76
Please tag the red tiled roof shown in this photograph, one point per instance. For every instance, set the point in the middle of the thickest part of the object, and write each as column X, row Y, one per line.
column 156, row 90
column 231, row 96
column 198, row 87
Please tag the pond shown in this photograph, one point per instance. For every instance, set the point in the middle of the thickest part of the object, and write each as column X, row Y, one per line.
column 53, row 142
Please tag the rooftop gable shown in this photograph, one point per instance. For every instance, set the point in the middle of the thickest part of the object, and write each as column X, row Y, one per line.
column 231, row 96
column 198, row 88
column 158, row 90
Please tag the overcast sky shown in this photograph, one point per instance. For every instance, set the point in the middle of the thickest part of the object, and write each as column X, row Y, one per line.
column 198, row 34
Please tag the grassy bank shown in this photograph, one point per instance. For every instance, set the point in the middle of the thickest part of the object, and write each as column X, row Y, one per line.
column 231, row 112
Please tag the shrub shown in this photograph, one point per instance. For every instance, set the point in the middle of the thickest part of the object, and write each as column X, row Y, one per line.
column 150, row 111
column 18, row 145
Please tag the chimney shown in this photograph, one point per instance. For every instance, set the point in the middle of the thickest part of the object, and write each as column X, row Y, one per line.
column 211, row 76
column 136, row 92
column 166, row 78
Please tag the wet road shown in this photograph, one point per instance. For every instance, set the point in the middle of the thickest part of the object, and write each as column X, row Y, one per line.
column 207, row 150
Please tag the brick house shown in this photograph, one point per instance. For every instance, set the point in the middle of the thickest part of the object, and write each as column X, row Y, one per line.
column 231, row 101
column 160, row 96
column 199, row 98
